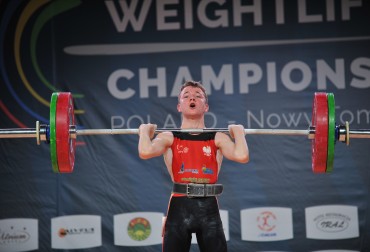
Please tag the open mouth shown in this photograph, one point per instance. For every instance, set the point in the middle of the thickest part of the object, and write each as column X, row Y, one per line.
column 192, row 105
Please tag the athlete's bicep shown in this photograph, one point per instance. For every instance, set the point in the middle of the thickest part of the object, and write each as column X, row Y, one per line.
column 225, row 145
column 157, row 146
column 161, row 143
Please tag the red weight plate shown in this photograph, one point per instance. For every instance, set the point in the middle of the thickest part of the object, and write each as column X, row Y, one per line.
column 320, row 142
column 66, row 145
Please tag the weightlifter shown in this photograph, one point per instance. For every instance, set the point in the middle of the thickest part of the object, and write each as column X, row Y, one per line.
column 193, row 162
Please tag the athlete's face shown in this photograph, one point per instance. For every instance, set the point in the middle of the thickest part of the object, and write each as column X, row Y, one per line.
column 192, row 101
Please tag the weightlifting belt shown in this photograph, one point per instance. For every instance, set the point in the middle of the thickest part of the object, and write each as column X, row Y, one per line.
column 198, row 190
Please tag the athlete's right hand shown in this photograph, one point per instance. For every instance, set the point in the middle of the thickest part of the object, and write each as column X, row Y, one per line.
column 147, row 129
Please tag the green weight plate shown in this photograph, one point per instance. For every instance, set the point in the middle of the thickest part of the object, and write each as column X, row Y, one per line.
column 331, row 132
column 52, row 131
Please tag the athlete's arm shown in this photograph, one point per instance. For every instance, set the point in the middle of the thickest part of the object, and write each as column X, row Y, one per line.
column 233, row 147
column 149, row 147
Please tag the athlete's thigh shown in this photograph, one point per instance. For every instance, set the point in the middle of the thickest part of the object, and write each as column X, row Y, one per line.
column 176, row 235
column 211, row 236
column 176, row 239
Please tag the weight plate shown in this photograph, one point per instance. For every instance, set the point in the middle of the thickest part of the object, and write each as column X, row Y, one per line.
column 331, row 132
column 53, row 144
column 66, row 145
column 320, row 142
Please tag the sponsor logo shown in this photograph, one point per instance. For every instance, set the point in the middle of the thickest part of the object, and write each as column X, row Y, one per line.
column 207, row 151
column 332, row 222
column 191, row 170
column 18, row 235
column 14, row 236
column 139, row 229
column 196, row 180
column 182, row 149
column 206, row 170
column 267, row 224
column 76, row 232
column 266, row 221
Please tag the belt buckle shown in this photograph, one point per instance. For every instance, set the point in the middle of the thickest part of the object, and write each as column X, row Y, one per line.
column 210, row 190
column 198, row 190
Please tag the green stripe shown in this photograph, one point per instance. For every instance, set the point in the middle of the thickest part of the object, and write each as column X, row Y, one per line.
column 331, row 132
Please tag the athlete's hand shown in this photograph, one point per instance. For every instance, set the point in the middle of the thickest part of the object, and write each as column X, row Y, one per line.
column 147, row 129
column 236, row 129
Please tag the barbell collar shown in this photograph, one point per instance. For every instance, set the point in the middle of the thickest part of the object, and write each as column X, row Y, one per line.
column 311, row 133
column 342, row 133
column 38, row 138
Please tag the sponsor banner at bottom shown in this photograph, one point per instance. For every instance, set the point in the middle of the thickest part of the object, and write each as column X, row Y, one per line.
column 332, row 222
column 19, row 235
column 336, row 250
column 266, row 224
column 76, row 232
column 138, row 229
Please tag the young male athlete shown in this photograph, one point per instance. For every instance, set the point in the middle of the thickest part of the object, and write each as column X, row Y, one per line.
column 193, row 162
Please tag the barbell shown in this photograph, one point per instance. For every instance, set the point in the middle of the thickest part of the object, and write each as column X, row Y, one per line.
column 61, row 133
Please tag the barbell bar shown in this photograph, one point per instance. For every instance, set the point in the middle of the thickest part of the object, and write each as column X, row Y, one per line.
column 32, row 132
column 309, row 133
column 61, row 133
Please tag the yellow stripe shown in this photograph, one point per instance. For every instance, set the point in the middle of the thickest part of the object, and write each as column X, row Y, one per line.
column 26, row 14
column 24, row 17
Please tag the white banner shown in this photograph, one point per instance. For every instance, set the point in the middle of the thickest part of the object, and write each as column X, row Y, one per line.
column 19, row 235
column 332, row 222
column 138, row 229
column 76, row 232
column 336, row 250
column 266, row 224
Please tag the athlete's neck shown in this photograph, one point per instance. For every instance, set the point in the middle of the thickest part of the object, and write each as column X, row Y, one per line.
column 192, row 124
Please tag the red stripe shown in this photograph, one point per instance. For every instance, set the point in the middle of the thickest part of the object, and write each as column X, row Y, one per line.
column 11, row 116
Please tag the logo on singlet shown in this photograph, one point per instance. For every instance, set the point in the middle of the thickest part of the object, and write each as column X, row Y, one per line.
column 206, row 170
column 207, row 151
column 183, row 170
column 181, row 149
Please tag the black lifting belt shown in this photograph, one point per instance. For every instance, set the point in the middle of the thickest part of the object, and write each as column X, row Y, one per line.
column 198, row 190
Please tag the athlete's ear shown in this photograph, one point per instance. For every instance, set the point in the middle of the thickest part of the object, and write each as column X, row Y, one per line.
column 207, row 107
column 178, row 107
